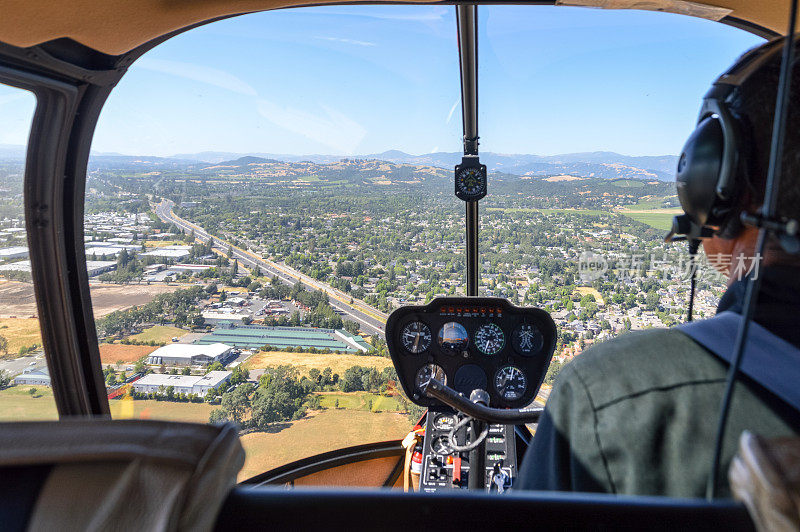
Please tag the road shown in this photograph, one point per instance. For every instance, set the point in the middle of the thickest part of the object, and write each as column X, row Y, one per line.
column 371, row 320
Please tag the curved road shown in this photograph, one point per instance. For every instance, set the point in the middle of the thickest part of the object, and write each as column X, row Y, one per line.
column 371, row 320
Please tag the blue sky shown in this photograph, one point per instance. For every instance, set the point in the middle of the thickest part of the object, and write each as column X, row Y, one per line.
column 364, row 79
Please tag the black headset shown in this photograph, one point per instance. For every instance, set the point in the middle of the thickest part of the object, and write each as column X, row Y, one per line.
column 712, row 159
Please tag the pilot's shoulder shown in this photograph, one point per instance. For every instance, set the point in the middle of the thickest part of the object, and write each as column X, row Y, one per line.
column 640, row 361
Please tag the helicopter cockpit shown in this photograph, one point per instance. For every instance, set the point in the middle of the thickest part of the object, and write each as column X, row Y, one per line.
column 318, row 328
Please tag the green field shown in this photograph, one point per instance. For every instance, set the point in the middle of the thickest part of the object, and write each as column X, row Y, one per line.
column 360, row 401
column 16, row 404
column 659, row 220
column 649, row 202
column 628, row 183
column 158, row 334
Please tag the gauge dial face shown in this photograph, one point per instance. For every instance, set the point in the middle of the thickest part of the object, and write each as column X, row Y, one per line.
column 490, row 339
column 453, row 338
column 511, row 383
column 444, row 422
column 416, row 337
column 470, row 181
column 527, row 340
column 440, row 445
column 429, row 371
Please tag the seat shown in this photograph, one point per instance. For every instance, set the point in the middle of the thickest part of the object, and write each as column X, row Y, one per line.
column 102, row 474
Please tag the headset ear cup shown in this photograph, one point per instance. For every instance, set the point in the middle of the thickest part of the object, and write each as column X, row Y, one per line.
column 698, row 172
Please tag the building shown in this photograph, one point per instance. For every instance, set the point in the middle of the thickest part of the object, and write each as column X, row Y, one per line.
column 96, row 267
column 16, row 252
column 256, row 336
column 174, row 253
column 181, row 384
column 35, row 376
column 189, row 355
column 226, row 316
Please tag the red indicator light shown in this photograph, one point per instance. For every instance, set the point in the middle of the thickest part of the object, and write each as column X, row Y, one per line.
column 452, row 309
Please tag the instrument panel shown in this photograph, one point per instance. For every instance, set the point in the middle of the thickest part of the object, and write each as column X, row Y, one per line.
column 469, row 343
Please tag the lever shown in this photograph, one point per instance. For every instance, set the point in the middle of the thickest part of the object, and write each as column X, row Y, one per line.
column 513, row 416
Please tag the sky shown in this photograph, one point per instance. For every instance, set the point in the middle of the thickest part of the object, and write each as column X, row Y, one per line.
column 355, row 80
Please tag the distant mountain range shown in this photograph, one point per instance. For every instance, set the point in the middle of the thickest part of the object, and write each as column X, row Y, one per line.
column 601, row 164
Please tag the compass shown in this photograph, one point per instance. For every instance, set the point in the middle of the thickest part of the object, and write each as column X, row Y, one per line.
column 470, row 179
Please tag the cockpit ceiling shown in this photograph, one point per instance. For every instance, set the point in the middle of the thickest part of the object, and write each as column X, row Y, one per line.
column 117, row 26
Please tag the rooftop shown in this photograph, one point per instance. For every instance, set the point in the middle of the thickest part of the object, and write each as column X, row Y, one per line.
column 211, row 349
column 212, row 378
column 255, row 336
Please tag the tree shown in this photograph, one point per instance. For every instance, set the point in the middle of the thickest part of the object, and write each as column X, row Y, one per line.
column 651, row 300
column 186, row 371
column 279, row 397
column 5, row 379
column 236, row 403
column 351, row 327
column 552, row 372
column 216, row 366
column 4, row 345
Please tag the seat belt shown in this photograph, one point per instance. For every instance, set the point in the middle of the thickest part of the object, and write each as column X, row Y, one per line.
column 768, row 359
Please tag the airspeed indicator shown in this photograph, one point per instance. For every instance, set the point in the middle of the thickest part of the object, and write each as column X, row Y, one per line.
column 416, row 337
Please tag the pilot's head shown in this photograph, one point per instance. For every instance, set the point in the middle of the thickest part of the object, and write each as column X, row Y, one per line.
column 746, row 93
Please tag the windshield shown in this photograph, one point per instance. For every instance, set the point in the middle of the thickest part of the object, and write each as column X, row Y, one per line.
column 263, row 191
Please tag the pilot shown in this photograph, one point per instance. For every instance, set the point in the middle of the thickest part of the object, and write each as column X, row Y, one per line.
column 638, row 414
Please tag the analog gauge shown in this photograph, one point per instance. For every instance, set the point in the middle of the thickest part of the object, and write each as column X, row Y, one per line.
column 453, row 338
column 470, row 181
column 416, row 337
column 444, row 422
column 510, row 383
column 490, row 339
column 527, row 340
column 428, row 372
column 440, row 445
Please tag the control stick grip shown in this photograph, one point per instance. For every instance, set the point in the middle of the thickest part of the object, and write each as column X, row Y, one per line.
column 514, row 416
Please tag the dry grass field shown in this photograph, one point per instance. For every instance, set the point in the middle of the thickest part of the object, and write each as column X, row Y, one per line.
column 128, row 408
column 583, row 290
column 20, row 332
column 113, row 353
column 306, row 361
column 361, row 401
column 17, row 299
column 318, row 432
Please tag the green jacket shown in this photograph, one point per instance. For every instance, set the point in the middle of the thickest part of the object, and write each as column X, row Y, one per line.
column 638, row 415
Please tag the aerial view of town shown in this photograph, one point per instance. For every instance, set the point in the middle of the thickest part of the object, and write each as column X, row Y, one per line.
column 254, row 289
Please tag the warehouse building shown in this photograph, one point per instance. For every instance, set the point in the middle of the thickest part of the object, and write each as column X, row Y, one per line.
column 16, row 252
column 35, row 376
column 190, row 355
column 181, row 384
column 256, row 336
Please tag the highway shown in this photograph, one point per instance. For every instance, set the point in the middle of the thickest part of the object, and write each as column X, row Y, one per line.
column 371, row 320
